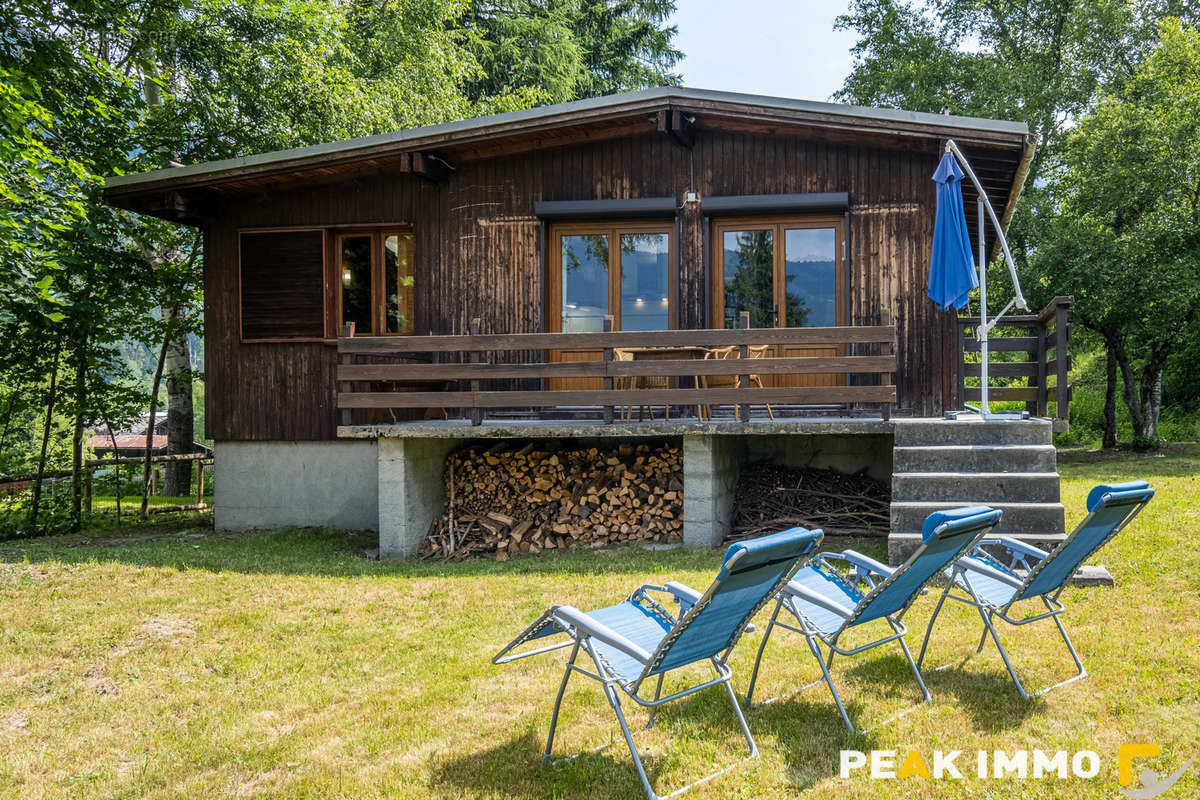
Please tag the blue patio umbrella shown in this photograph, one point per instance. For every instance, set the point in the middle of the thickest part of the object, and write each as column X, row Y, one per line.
column 951, row 267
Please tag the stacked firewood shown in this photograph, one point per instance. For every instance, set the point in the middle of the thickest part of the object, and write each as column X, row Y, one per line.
column 506, row 499
column 771, row 498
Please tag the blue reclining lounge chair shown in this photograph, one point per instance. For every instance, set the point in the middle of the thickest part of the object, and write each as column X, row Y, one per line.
column 639, row 639
column 1003, row 571
column 827, row 602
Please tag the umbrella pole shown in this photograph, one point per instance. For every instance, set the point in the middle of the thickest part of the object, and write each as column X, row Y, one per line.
column 982, row 333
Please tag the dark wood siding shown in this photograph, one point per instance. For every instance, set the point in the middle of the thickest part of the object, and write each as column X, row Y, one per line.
column 281, row 276
column 478, row 253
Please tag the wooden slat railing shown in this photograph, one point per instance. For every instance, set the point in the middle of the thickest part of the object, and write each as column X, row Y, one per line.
column 472, row 361
column 1043, row 376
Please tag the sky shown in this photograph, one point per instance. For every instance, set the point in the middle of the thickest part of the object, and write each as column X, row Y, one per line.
column 784, row 48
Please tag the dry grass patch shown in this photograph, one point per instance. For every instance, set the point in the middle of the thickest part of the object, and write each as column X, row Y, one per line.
column 170, row 662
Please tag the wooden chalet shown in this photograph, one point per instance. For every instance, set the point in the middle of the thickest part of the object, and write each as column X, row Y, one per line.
column 564, row 270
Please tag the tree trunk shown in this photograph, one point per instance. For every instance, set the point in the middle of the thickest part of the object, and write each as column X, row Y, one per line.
column 1150, row 395
column 1129, row 379
column 1110, row 401
column 147, row 465
column 180, row 415
column 80, row 387
column 41, row 470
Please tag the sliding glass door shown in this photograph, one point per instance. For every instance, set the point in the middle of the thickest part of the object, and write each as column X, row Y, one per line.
column 786, row 273
column 597, row 269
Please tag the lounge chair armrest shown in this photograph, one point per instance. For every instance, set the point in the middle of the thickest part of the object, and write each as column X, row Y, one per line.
column 1014, row 546
column 808, row 595
column 685, row 595
column 867, row 564
column 983, row 568
column 581, row 622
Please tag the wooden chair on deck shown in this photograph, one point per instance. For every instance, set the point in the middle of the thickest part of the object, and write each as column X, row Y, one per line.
column 620, row 354
column 732, row 353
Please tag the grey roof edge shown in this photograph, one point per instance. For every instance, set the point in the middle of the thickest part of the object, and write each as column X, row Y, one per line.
column 348, row 147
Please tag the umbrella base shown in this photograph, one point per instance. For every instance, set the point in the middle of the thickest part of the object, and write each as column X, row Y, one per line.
column 972, row 412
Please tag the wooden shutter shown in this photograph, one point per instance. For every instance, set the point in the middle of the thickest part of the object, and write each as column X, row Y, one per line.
column 282, row 283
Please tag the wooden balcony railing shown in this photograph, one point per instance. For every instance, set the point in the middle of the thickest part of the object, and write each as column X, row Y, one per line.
column 511, row 371
column 1038, row 376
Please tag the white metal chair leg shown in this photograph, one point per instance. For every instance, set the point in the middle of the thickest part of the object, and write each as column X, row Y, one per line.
column 916, row 672
column 657, row 694
column 615, row 701
column 762, row 646
column 562, row 688
column 737, row 710
column 987, row 621
column 929, row 628
column 816, row 651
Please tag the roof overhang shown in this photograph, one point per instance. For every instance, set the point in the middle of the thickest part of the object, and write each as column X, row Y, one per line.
column 181, row 193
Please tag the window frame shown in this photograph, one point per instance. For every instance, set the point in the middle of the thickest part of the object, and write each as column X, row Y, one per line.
column 377, row 234
column 613, row 229
column 779, row 225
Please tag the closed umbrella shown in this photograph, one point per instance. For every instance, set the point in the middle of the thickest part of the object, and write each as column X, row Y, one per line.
column 951, row 266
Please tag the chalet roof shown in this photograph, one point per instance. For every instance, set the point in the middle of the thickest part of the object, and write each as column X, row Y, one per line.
column 560, row 124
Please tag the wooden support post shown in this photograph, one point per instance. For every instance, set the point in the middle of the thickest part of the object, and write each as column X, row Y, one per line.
column 87, row 489
column 199, row 483
column 1040, row 406
column 743, row 410
column 346, row 386
column 476, row 411
column 1062, row 357
column 891, row 348
column 608, row 381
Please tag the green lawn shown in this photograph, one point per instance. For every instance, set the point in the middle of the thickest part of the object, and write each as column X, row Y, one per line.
column 171, row 661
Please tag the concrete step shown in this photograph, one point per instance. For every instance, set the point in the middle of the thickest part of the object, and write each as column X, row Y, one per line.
column 901, row 545
column 972, row 432
column 1019, row 518
column 1025, row 487
column 975, row 458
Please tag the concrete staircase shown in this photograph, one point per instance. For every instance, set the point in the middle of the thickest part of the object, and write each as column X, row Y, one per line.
column 1009, row 465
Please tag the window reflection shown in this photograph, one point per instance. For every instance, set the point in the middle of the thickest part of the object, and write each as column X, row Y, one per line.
column 749, row 260
column 355, row 264
column 584, row 282
column 398, row 278
column 810, row 272
column 645, row 292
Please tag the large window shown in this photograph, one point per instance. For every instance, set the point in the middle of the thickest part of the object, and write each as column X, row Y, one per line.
column 785, row 272
column 620, row 269
column 375, row 276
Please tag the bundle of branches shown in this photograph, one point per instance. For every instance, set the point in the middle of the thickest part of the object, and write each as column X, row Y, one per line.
column 770, row 498
column 506, row 498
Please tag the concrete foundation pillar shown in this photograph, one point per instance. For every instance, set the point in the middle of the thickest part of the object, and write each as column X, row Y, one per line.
column 411, row 492
column 711, row 465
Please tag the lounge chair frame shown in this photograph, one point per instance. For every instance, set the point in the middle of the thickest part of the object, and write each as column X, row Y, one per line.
column 584, row 632
column 1033, row 560
column 878, row 577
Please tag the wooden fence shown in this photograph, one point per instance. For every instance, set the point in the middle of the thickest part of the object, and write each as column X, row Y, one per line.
column 12, row 484
column 466, row 363
column 1042, row 367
